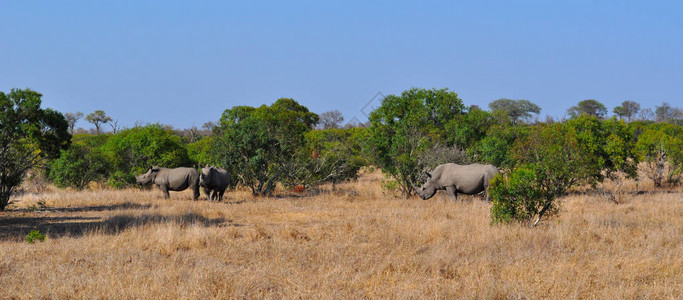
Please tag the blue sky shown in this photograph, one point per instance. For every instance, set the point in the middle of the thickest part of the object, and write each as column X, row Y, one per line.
column 183, row 64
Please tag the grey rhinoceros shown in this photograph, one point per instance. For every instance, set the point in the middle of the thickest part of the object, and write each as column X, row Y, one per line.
column 177, row 179
column 214, row 180
column 464, row 179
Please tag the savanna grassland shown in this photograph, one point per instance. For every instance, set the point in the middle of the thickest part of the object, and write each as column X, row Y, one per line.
column 351, row 242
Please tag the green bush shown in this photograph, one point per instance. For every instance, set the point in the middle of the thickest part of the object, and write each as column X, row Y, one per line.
column 406, row 126
column 35, row 235
column 659, row 146
column 77, row 166
column 260, row 145
column 332, row 155
column 550, row 163
column 518, row 197
column 132, row 151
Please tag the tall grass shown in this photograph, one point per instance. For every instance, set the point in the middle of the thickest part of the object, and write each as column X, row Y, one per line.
column 351, row 242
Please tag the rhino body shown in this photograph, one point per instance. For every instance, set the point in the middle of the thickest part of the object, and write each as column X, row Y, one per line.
column 464, row 179
column 214, row 180
column 177, row 179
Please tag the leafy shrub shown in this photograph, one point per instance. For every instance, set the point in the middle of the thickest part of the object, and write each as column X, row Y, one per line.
column 132, row 151
column 260, row 145
column 35, row 235
column 551, row 163
column 77, row 166
column 661, row 146
column 332, row 155
column 518, row 197
column 405, row 126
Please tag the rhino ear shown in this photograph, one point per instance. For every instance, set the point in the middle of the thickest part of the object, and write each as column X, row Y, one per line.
column 429, row 175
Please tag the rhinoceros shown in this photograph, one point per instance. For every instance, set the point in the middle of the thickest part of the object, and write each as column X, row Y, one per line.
column 177, row 179
column 214, row 180
column 464, row 179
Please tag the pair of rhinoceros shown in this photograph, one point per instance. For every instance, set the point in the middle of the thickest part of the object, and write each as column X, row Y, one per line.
column 464, row 179
column 214, row 180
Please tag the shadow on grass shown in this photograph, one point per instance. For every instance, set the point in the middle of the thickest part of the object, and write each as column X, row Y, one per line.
column 120, row 206
column 16, row 228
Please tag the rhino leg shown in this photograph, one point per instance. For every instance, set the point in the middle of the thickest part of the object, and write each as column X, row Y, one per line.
column 220, row 195
column 165, row 190
column 195, row 190
column 452, row 193
column 207, row 192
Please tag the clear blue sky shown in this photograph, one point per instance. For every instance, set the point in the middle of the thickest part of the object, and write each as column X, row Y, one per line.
column 184, row 62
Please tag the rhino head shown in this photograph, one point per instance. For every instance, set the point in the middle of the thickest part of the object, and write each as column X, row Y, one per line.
column 205, row 175
column 428, row 189
column 148, row 177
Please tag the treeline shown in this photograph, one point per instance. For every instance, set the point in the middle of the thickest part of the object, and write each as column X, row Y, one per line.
column 284, row 143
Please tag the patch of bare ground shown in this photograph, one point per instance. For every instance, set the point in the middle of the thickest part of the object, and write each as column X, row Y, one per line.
column 351, row 242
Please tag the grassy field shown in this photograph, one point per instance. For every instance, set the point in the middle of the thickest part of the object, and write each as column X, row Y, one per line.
column 353, row 242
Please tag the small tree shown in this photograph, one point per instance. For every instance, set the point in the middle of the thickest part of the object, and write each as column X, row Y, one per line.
column 627, row 110
column 588, row 107
column 333, row 156
column 661, row 146
column 667, row 113
column 29, row 137
column 72, row 118
column 466, row 130
column 259, row 145
column 551, row 162
column 405, row 126
column 608, row 146
column 517, row 197
column 78, row 166
column 132, row 151
column 330, row 120
column 98, row 118
column 518, row 110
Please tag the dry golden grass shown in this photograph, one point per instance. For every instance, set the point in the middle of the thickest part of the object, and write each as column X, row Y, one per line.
column 354, row 242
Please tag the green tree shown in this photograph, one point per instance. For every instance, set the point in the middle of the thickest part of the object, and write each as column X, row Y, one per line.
column 466, row 130
column 133, row 151
column 259, row 145
column 405, row 126
column 98, row 118
column 607, row 145
column 78, row 166
column 518, row 110
column 551, row 161
column 202, row 152
column 659, row 146
column 588, row 107
column 494, row 146
column 627, row 110
column 29, row 137
column 72, row 118
column 332, row 155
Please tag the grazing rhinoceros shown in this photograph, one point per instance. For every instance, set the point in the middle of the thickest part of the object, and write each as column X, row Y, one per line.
column 214, row 180
column 468, row 179
column 177, row 179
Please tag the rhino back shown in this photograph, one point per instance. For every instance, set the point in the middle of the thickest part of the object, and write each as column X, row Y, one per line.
column 468, row 179
column 220, row 178
column 178, row 179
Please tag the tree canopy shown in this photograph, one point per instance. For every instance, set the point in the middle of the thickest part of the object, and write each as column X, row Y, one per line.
column 518, row 110
column 405, row 126
column 29, row 136
column 589, row 107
